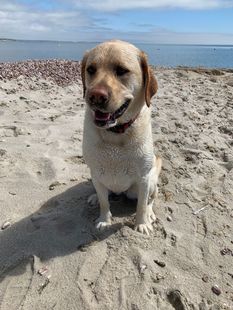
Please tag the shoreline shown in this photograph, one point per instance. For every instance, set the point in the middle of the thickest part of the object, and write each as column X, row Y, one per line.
column 64, row 72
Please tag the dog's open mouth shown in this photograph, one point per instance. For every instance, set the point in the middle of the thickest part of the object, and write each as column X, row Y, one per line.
column 107, row 120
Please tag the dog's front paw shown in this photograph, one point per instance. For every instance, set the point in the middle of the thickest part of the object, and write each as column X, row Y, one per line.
column 151, row 215
column 144, row 228
column 93, row 200
column 102, row 225
column 103, row 221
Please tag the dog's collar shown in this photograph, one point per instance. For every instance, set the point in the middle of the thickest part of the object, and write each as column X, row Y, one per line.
column 121, row 128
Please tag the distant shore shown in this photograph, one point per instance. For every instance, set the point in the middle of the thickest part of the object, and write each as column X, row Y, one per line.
column 163, row 55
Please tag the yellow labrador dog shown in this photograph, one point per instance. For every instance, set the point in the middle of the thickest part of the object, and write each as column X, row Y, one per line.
column 117, row 143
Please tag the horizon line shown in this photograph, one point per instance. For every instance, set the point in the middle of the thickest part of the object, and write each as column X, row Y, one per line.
column 97, row 42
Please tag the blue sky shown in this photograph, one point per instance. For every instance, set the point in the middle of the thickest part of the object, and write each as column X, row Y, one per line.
column 149, row 21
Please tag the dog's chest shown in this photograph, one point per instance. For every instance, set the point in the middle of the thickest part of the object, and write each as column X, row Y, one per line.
column 115, row 166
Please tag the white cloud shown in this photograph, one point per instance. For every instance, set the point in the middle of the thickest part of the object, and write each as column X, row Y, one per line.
column 38, row 27
column 113, row 5
column 10, row 6
column 159, row 36
column 17, row 21
column 20, row 21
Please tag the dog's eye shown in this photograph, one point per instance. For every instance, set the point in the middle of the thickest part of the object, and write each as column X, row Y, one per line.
column 91, row 70
column 120, row 71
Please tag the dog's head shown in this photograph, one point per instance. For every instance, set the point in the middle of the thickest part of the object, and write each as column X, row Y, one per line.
column 117, row 81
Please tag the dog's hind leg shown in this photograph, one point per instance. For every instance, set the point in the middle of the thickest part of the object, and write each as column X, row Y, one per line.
column 153, row 187
column 146, row 195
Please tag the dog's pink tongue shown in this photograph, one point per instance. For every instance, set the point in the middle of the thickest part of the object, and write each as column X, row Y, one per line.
column 101, row 116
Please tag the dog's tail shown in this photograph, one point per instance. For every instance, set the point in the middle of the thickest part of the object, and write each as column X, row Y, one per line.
column 158, row 164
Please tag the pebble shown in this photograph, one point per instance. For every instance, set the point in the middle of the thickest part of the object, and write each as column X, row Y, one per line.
column 216, row 290
column 83, row 247
column 205, row 278
column 169, row 219
column 54, row 184
column 43, row 270
column 12, row 193
column 142, row 268
column 5, row 225
column 62, row 72
column 158, row 277
column 170, row 209
column 226, row 251
column 160, row 263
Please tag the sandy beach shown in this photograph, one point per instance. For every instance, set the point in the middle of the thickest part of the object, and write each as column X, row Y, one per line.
column 51, row 255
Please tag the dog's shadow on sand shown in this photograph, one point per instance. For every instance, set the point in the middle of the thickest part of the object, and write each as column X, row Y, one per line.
column 62, row 225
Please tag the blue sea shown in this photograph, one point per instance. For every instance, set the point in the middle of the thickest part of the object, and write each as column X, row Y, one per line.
column 211, row 56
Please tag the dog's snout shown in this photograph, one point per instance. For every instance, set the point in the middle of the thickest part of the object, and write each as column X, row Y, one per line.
column 98, row 96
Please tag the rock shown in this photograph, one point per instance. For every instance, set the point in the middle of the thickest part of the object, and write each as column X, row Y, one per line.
column 226, row 251
column 205, row 278
column 216, row 290
column 5, row 225
column 160, row 263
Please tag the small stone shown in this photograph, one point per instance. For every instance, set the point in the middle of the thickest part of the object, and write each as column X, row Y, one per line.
column 168, row 195
column 82, row 247
column 142, row 268
column 169, row 219
column 5, row 225
column 159, row 263
column 226, row 251
column 158, row 277
column 170, row 209
column 154, row 290
column 73, row 179
column 216, row 290
column 205, row 278
column 42, row 270
column 173, row 239
column 53, row 185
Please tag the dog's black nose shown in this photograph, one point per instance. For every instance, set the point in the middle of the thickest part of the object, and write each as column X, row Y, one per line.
column 98, row 96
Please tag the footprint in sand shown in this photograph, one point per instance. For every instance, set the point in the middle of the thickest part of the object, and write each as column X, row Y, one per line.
column 45, row 169
column 14, row 289
column 177, row 300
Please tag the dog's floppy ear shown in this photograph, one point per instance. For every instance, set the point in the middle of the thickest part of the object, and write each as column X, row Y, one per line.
column 83, row 69
column 150, row 83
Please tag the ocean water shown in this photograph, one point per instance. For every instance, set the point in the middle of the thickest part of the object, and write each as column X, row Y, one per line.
column 211, row 56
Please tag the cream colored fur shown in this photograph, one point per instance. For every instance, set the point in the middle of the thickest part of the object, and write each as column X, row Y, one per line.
column 122, row 162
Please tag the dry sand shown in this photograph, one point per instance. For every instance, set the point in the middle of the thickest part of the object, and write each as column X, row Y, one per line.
column 51, row 256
